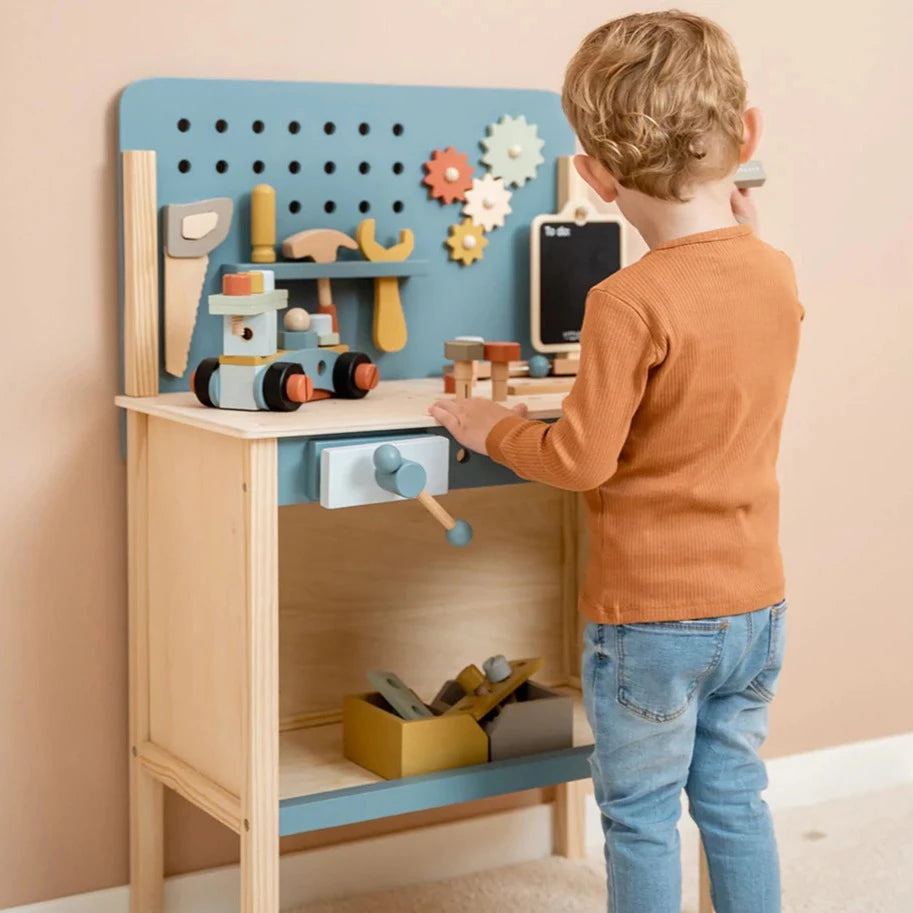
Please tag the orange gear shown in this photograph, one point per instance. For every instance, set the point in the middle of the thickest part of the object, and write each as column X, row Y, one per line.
column 449, row 175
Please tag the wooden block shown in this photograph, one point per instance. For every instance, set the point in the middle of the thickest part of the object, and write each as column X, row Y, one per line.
column 340, row 349
column 563, row 367
column 750, row 174
column 322, row 324
column 196, row 229
column 291, row 339
column 236, row 284
column 328, row 339
column 248, row 305
column 183, row 290
column 141, row 271
column 263, row 224
column 464, row 350
column 248, row 359
column 249, row 335
column 236, row 387
column 539, row 387
column 256, row 282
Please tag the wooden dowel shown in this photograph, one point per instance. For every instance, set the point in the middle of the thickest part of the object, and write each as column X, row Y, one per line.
column 436, row 510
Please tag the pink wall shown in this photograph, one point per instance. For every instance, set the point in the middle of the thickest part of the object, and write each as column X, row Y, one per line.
column 837, row 94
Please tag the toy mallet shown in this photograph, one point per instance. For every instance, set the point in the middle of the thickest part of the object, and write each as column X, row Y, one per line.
column 407, row 479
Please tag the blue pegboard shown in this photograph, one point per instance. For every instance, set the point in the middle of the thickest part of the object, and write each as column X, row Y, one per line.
column 231, row 135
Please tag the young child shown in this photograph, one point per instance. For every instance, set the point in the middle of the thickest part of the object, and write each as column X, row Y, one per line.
column 672, row 430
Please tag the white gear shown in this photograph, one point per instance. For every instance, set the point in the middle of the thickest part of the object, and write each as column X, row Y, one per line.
column 512, row 150
column 487, row 202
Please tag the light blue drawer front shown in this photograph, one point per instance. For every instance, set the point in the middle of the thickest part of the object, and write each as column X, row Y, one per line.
column 299, row 464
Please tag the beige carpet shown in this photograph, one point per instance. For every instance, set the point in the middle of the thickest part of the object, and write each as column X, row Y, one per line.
column 846, row 856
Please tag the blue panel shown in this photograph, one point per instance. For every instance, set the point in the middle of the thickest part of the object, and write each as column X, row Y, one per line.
column 411, row 794
column 489, row 298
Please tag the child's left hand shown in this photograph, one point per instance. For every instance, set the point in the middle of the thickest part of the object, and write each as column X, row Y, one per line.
column 470, row 420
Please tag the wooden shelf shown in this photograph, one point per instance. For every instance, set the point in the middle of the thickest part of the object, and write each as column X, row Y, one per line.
column 288, row 271
column 394, row 405
column 319, row 788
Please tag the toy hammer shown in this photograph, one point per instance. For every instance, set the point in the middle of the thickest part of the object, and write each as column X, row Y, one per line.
column 407, row 479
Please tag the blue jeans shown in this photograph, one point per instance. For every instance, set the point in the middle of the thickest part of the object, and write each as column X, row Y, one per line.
column 683, row 705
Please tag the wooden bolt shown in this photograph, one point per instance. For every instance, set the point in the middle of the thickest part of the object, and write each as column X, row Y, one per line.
column 501, row 354
column 462, row 378
column 464, row 353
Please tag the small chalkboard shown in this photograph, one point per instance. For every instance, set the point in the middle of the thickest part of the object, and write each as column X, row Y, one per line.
column 568, row 257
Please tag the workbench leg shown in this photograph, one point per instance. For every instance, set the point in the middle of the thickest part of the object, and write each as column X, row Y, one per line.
column 146, row 841
column 146, row 793
column 260, row 789
column 705, row 904
column 569, row 837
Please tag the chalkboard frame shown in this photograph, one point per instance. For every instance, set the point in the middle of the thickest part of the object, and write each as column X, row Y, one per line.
column 573, row 214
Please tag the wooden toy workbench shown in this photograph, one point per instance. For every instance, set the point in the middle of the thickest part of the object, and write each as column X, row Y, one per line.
column 254, row 610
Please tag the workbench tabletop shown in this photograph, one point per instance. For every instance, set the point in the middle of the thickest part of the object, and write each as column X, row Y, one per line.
column 395, row 404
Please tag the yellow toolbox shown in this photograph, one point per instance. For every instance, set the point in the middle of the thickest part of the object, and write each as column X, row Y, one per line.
column 392, row 747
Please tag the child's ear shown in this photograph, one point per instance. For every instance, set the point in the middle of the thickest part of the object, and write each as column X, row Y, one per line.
column 751, row 133
column 597, row 177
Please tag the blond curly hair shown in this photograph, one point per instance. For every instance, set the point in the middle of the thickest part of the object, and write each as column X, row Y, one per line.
column 658, row 99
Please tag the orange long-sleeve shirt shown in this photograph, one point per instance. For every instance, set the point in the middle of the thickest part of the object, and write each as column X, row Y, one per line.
column 672, row 429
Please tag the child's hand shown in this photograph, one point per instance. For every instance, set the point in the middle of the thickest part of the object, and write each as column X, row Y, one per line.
column 470, row 420
column 743, row 207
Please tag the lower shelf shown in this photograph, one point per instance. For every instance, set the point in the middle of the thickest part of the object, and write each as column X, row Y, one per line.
column 319, row 788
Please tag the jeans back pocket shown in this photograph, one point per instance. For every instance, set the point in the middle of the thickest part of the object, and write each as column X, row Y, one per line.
column 661, row 665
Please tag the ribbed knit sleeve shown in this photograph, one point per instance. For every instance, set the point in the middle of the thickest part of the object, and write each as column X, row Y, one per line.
column 580, row 451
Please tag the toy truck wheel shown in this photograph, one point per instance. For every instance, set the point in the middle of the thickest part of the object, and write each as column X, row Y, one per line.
column 199, row 382
column 275, row 378
column 351, row 378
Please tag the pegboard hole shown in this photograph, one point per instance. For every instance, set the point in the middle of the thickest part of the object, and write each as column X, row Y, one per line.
column 364, row 129
column 221, row 166
column 329, row 167
column 462, row 455
column 248, row 333
column 259, row 167
column 183, row 125
column 184, row 166
column 364, row 168
column 294, row 207
column 294, row 167
column 397, row 129
column 221, row 125
column 364, row 206
column 397, row 167
column 329, row 206
column 257, row 126
column 293, row 126
column 321, row 367
column 398, row 206
column 329, row 128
